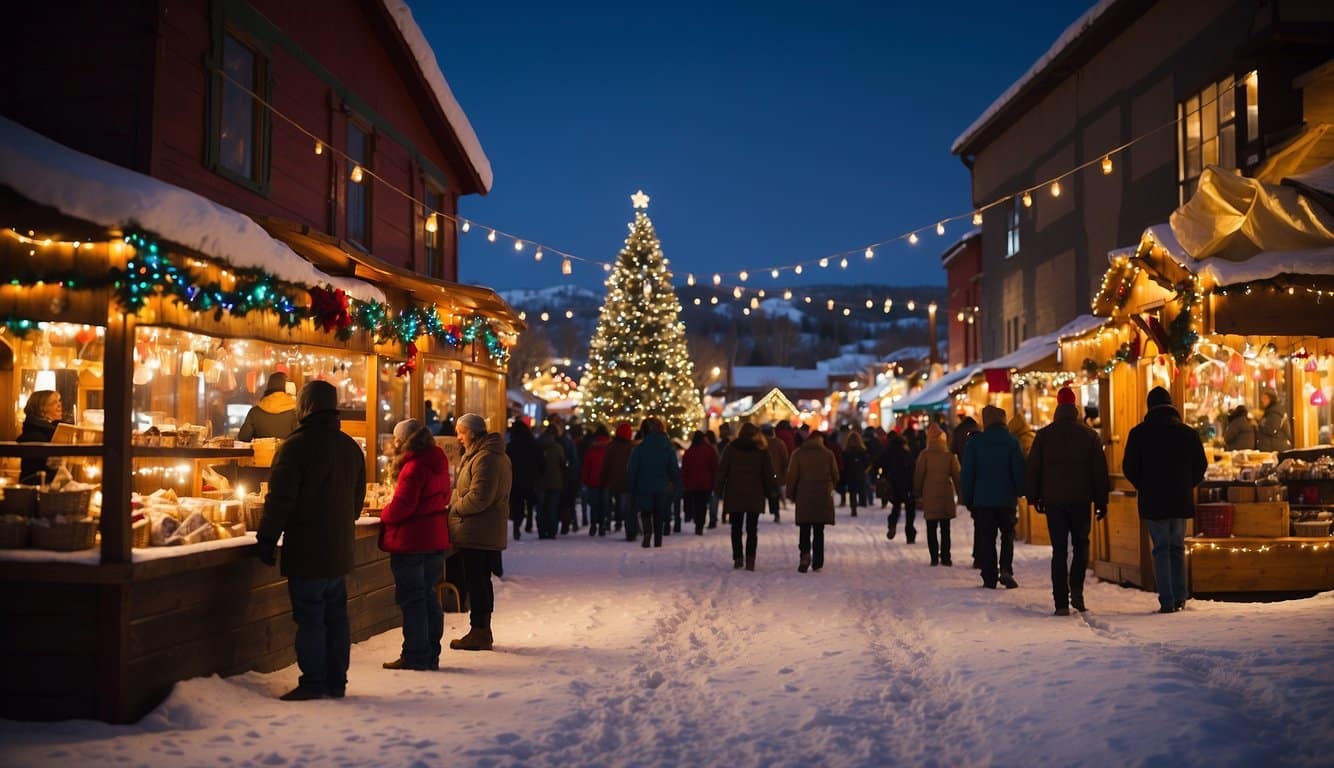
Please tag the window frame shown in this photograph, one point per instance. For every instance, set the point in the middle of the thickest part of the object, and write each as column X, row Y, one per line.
column 1013, row 226
column 433, row 192
column 367, row 164
column 262, row 124
column 1203, row 113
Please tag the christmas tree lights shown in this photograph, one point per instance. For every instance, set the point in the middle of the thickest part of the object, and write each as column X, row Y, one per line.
column 638, row 364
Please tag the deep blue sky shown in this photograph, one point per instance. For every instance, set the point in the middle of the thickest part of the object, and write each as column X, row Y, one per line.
column 766, row 133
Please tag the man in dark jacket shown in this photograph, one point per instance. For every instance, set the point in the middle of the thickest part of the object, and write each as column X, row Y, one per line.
column 653, row 479
column 896, row 467
column 477, row 514
column 315, row 497
column 1165, row 461
column 614, row 464
column 993, row 481
column 1067, row 472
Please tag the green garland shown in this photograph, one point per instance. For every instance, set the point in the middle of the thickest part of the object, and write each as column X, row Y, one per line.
column 153, row 273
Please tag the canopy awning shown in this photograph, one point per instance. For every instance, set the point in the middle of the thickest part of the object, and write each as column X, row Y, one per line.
column 937, row 394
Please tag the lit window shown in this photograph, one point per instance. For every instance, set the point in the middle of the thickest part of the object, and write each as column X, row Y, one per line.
column 1207, row 128
column 435, row 251
column 1012, row 229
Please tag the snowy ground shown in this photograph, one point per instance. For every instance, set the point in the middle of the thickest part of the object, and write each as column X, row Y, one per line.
column 609, row 654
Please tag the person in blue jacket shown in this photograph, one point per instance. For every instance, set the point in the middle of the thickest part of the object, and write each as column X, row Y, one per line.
column 653, row 479
column 993, row 480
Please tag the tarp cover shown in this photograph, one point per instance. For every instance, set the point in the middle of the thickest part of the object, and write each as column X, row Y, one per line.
column 1234, row 218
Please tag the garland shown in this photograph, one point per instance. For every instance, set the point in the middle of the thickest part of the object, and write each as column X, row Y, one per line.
column 152, row 273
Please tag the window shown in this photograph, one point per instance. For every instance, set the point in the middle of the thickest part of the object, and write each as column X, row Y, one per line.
column 433, row 233
column 240, row 131
column 1207, row 128
column 1012, row 229
column 358, row 186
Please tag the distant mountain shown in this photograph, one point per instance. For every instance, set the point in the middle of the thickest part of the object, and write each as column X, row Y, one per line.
column 784, row 332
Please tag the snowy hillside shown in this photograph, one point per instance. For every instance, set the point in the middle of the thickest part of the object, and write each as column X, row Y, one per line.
column 609, row 654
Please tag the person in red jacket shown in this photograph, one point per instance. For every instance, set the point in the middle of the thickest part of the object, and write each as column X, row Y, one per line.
column 415, row 532
column 595, row 486
column 699, row 467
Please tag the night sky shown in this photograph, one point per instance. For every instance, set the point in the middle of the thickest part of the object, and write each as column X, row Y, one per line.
column 765, row 133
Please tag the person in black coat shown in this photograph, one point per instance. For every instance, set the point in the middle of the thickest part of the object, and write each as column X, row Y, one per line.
column 41, row 414
column 1239, row 435
column 1273, row 432
column 526, row 461
column 897, row 464
column 1164, row 460
column 315, row 497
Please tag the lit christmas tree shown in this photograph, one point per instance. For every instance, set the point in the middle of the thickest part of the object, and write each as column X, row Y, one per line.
column 638, row 365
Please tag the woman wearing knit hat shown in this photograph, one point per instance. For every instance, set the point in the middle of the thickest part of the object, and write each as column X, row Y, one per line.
column 936, row 486
column 415, row 532
column 477, row 515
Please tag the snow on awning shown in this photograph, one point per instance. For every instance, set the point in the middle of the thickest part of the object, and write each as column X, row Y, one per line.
column 938, row 392
column 84, row 187
column 1036, row 350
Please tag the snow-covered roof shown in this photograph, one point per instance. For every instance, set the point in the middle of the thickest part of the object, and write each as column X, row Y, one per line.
column 444, row 97
column 1221, row 272
column 1067, row 39
column 938, row 392
column 109, row 195
column 757, row 376
column 908, row 353
column 1039, row 348
column 957, row 245
column 850, row 363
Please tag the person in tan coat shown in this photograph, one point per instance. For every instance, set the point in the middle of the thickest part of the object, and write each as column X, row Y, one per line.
column 478, row 513
column 1022, row 431
column 812, row 475
column 936, row 484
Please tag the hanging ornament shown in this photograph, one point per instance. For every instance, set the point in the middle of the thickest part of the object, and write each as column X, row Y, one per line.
column 1318, row 398
column 1312, row 365
column 1236, row 364
column 189, row 363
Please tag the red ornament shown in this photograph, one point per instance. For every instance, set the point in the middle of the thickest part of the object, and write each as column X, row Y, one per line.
column 1318, row 398
column 409, row 365
column 329, row 308
column 1236, row 364
column 84, row 336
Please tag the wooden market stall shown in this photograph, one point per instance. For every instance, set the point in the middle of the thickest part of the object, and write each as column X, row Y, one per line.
column 159, row 348
column 1218, row 323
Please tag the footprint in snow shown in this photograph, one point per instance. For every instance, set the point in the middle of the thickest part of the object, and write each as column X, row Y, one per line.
column 786, row 671
column 790, row 688
column 654, row 680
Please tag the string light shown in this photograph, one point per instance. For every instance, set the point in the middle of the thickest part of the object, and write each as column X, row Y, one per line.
column 1107, row 165
column 797, row 269
column 744, row 275
column 518, row 245
column 566, row 267
column 1027, row 200
column 690, row 279
column 842, row 263
column 1056, row 189
column 319, row 147
column 537, row 255
column 431, row 225
column 977, row 219
column 356, row 174
column 467, row 225
column 912, row 305
column 869, row 304
column 774, row 274
column 870, row 254
column 717, row 279
column 491, row 236
column 824, row 263
column 940, row 228
column 912, row 238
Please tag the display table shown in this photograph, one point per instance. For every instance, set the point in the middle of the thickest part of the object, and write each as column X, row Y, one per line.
column 1254, row 564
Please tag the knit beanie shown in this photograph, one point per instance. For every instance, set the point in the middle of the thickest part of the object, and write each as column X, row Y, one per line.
column 993, row 415
column 1065, row 396
column 475, row 424
column 406, row 429
column 1158, row 396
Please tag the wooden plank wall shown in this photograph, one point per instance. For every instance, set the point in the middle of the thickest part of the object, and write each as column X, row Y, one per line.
column 48, row 660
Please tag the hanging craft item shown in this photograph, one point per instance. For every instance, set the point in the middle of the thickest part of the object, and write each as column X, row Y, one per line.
column 189, row 363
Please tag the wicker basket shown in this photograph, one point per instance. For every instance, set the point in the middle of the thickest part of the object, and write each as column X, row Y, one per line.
column 14, row 533
column 1213, row 521
column 65, row 537
column 66, row 504
column 1311, row 528
column 19, row 500
column 141, row 534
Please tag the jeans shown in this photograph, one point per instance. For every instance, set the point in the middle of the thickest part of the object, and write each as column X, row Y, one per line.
column 1068, row 522
column 655, row 517
column 697, row 506
column 810, row 540
column 909, row 507
column 548, row 517
column 323, row 635
column 598, row 506
column 991, row 520
column 1169, row 560
column 939, row 549
column 477, row 580
column 415, row 577
column 751, row 520
column 630, row 516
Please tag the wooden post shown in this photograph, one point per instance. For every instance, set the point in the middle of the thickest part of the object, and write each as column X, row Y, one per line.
column 116, row 477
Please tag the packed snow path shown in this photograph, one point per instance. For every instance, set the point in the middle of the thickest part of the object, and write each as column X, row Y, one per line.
column 610, row 654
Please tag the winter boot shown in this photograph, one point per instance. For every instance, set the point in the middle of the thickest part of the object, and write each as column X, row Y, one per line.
column 517, row 525
column 477, row 639
column 804, row 564
column 400, row 663
column 750, row 563
column 657, row 540
column 302, row 694
column 737, row 563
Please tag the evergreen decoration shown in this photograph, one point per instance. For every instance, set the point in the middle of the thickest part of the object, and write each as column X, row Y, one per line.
column 153, row 272
column 638, row 364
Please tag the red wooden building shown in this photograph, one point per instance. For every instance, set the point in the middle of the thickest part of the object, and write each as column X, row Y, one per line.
column 963, row 301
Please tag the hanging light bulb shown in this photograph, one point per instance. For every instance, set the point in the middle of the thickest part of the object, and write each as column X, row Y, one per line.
column 491, row 236
column 798, row 269
column 713, row 299
column 869, row 303
column 518, row 245
column 912, row 305
column 842, row 263
column 824, row 263
column 846, row 311
column 736, row 292
column 830, row 305
column 787, row 294
column 1028, row 200
column 808, row 299
column 569, row 314
column 697, row 301
column 754, row 303
column 745, row 311
column 537, row 255
column 977, row 219
column 356, row 174
column 870, row 254
column 940, row 228
column 1056, row 189
column 467, row 225
column 889, row 304
column 690, row 279
column 566, row 266
column 545, row 317
column 1107, row 165
column 717, row 279
column 744, row 275
column 913, row 238
column 959, row 317
column 606, row 267
column 431, row 225
column 319, row 147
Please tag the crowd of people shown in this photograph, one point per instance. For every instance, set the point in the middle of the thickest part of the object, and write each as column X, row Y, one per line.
column 641, row 485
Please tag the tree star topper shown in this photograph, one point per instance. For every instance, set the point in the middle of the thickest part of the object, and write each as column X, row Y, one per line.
column 639, row 199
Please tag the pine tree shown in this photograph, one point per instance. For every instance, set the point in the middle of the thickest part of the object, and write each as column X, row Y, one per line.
column 638, row 365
